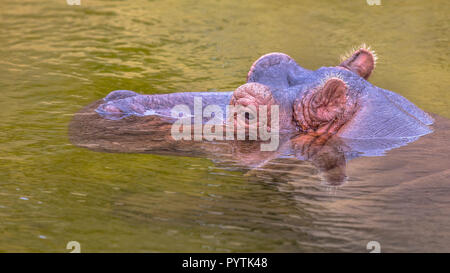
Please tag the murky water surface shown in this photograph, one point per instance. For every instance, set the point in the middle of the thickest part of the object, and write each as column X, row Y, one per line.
column 56, row 59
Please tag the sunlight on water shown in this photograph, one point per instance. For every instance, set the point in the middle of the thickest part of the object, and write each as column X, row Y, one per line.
column 56, row 59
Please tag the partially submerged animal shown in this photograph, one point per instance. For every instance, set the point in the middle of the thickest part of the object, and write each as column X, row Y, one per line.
column 330, row 100
column 327, row 117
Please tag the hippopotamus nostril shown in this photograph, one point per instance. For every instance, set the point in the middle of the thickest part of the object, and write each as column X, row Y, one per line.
column 120, row 94
column 112, row 109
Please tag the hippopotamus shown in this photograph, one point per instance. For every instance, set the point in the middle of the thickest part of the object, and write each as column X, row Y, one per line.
column 327, row 117
column 336, row 100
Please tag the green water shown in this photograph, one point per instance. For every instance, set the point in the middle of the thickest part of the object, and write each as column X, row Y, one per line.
column 56, row 58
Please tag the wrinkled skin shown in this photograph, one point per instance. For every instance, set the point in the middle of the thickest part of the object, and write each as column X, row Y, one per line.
column 331, row 100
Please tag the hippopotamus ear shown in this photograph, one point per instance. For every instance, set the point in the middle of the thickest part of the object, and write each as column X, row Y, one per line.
column 362, row 61
column 324, row 109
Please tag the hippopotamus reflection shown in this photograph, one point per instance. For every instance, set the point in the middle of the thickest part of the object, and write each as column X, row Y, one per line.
column 150, row 134
column 327, row 117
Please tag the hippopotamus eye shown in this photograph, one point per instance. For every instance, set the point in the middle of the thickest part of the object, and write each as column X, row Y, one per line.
column 249, row 116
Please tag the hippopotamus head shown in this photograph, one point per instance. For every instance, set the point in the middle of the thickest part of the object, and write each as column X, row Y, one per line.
column 335, row 100
column 331, row 100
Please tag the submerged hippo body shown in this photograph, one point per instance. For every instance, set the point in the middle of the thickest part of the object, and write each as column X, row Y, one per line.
column 330, row 100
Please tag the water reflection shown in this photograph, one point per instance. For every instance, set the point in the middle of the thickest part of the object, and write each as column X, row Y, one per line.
column 151, row 134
